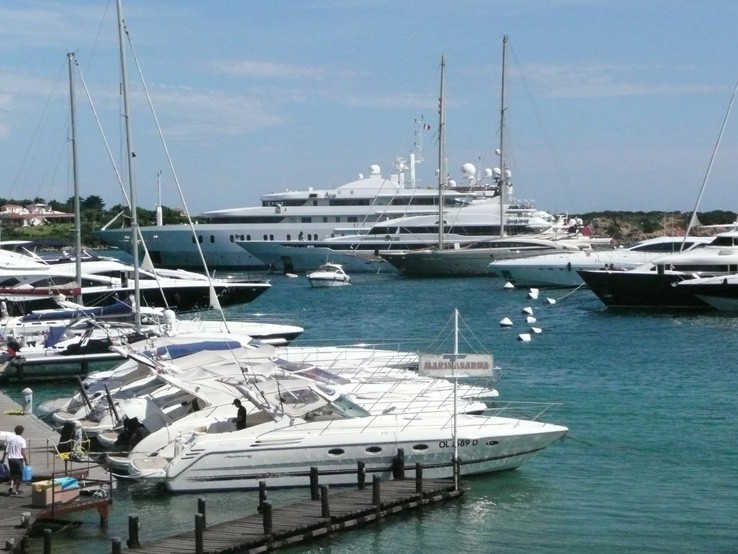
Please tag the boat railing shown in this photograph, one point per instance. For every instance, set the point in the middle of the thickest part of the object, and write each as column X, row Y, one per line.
column 530, row 411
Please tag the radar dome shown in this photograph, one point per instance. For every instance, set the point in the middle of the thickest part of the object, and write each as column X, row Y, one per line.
column 487, row 172
column 468, row 170
column 451, row 183
column 374, row 169
column 169, row 317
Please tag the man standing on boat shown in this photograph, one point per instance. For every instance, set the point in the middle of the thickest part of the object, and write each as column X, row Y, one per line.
column 240, row 415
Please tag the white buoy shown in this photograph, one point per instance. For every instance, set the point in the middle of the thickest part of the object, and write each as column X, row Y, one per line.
column 551, row 300
column 508, row 285
column 530, row 319
column 524, row 337
column 506, row 322
column 533, row 293
column 528, row 310
column 536, row 330
column 290, row 275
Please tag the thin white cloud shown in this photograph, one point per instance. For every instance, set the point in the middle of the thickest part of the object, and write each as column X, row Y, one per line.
column 252, row 68
column 608, row 81
column 196, row 114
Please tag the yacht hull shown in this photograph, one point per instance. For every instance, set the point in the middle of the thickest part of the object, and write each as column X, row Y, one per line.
column 641, row 290
column 236, row 463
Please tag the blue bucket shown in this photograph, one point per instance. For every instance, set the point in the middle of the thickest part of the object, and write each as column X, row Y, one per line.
column 27, row 474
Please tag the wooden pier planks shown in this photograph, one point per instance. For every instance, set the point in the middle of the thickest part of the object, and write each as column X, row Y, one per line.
column 41, row 440
column 303, row 521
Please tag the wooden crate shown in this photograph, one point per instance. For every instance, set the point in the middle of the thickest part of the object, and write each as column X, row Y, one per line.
column 43, row 495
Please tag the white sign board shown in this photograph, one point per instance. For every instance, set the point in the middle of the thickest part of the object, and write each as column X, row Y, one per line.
column 456, row 365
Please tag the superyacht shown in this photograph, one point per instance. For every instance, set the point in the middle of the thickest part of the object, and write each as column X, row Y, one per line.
column 322, row 220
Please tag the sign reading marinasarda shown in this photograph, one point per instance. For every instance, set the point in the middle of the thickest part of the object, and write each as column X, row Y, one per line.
column 455, row 365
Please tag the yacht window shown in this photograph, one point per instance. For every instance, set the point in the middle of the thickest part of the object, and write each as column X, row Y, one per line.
column 420, row 447
column 248, row 237
column 299, row 396
column 722, row 241
column 352, row 219
column 344, row 406
column 325, row 219
column 212, row 239
column 271, row 237
column 306, row 219
column 336, row 452
column 373, row 449
column 265, row 237
column 289, row 237
column 232, row 238
column 199, row 239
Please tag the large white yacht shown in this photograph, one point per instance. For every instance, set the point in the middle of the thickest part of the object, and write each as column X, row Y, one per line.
column 310, row 217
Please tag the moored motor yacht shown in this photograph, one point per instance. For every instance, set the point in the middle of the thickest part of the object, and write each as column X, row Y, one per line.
column 654, row 285
column 559, row 269
column 299, row 425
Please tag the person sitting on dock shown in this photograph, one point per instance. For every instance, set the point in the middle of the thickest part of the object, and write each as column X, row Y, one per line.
column 16, row 450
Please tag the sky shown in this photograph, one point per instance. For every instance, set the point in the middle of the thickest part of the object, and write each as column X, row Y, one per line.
column 610, row 105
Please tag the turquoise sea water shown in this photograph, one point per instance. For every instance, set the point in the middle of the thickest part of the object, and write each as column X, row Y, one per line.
column 650, row 463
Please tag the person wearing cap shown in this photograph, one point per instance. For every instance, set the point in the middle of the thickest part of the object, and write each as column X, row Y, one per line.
column 240, row 415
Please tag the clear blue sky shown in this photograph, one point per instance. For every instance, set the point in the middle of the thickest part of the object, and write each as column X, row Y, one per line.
column 611, row 104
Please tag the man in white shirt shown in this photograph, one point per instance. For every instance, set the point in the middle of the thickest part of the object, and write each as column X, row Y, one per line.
column 15, row 448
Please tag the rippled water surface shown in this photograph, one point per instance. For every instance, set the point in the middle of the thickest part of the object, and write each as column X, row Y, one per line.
column 650, row 464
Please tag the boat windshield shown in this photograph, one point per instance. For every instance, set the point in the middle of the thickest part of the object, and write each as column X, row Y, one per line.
column 347, row 408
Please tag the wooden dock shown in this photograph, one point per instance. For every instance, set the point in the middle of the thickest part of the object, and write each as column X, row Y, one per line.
column 336, row 510
column 42, row 443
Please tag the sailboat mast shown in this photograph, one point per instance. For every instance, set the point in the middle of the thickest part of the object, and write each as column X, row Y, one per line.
column 130, row 156
column 503, row 171
column 75, row 179
column 441, row 151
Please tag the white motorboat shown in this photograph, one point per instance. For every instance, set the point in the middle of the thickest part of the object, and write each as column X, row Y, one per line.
column 720, row 292
column 297, row 425
column 329, row 275
column 559, row 269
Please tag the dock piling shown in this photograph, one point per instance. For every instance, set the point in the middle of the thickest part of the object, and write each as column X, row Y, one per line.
column 267, row 518
column 361, row 474
column 314, row 492
column 133, row 527
column 262, row 494
column 47, row 541
column 201, row 510
column 419, row 478
column 376, row 500
column 398, row 465
column 199, row 530
column 325, row 509
column 115, row 545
